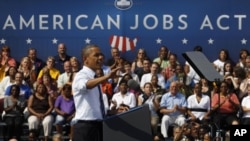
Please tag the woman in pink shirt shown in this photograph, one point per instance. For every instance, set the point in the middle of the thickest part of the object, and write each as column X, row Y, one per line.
column 225, row 106
column 6, row 59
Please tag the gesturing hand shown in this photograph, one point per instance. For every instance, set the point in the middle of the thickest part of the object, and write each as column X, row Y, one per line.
column 112, row 73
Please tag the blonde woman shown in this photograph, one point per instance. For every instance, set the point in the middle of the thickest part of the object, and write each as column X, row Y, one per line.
column 75, row 64
column 28, row 71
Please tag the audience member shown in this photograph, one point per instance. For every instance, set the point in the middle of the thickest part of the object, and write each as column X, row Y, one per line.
column 170, row 69
column 239, row 74
column 243, row 86
column 222, row 58
column 40, row 106
column 50, row 69
column 25, row 90
column 61, row 57
column 204, row 132
column 173, row 106
column 154, row 69
column 29, row 74
column 145, row 69
column 245, row 104
column 33, row 135
column 242, row 57
column 162, row 59
column 225, row 107
column 13, row 117
column 228, row 68
column 153, row 101
column 50, row 86
column 64, row 77
column 57, row 137
column 137, row 64
column 206, row 87
column 37, row 63
column 106, row 69
column 127, row 69
column 247, row 65
column 115, row 57
column 177, row 133
column 123, row 100
column 198, row 105
column 157, row 89
column 121, row 71
column 185, row 83
column 2, row 72
column 8, row 80
column 75, row 64
column 126, row 77
column 65, row 109
column 6, row 59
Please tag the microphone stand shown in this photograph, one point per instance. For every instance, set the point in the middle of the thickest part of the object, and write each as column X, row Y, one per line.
column 218, row 136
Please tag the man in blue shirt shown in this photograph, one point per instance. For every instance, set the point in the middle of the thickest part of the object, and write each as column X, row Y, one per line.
column 25, row 90
column 173, row 106
column 61, row 57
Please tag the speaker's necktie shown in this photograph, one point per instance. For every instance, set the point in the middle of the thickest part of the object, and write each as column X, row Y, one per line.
column 101, row 102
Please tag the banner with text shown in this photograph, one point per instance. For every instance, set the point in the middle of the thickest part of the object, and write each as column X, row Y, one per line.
column 125, row 24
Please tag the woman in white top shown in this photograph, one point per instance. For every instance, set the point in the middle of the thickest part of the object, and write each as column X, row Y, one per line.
column 198, row 105
column 245, row 104
column 8, row 80
column 219, row 63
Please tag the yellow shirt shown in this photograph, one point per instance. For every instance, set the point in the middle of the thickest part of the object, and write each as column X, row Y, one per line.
column 54, row 73
column 2, row 73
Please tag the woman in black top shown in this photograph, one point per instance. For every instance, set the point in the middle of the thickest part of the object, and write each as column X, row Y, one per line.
column 40, row 106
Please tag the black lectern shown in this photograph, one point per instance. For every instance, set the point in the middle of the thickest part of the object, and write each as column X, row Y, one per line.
column 133, row 125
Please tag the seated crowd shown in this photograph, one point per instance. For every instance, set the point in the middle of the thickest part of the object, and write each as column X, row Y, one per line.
column 41, row 93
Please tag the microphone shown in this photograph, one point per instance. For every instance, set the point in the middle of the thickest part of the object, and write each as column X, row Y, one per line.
column 132, row 84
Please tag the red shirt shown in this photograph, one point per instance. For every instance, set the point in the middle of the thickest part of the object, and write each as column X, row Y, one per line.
column 227, row 106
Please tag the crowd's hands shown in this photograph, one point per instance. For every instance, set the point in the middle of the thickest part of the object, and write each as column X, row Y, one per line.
column 117, row 63
column 14, row 103
column 175, row 108
column 70, row 117
column 40, row 116
column 112, row 73
column 237, row 106
column 121, row 108
column 192, row 118
column 206, row 117
column 229, row 98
